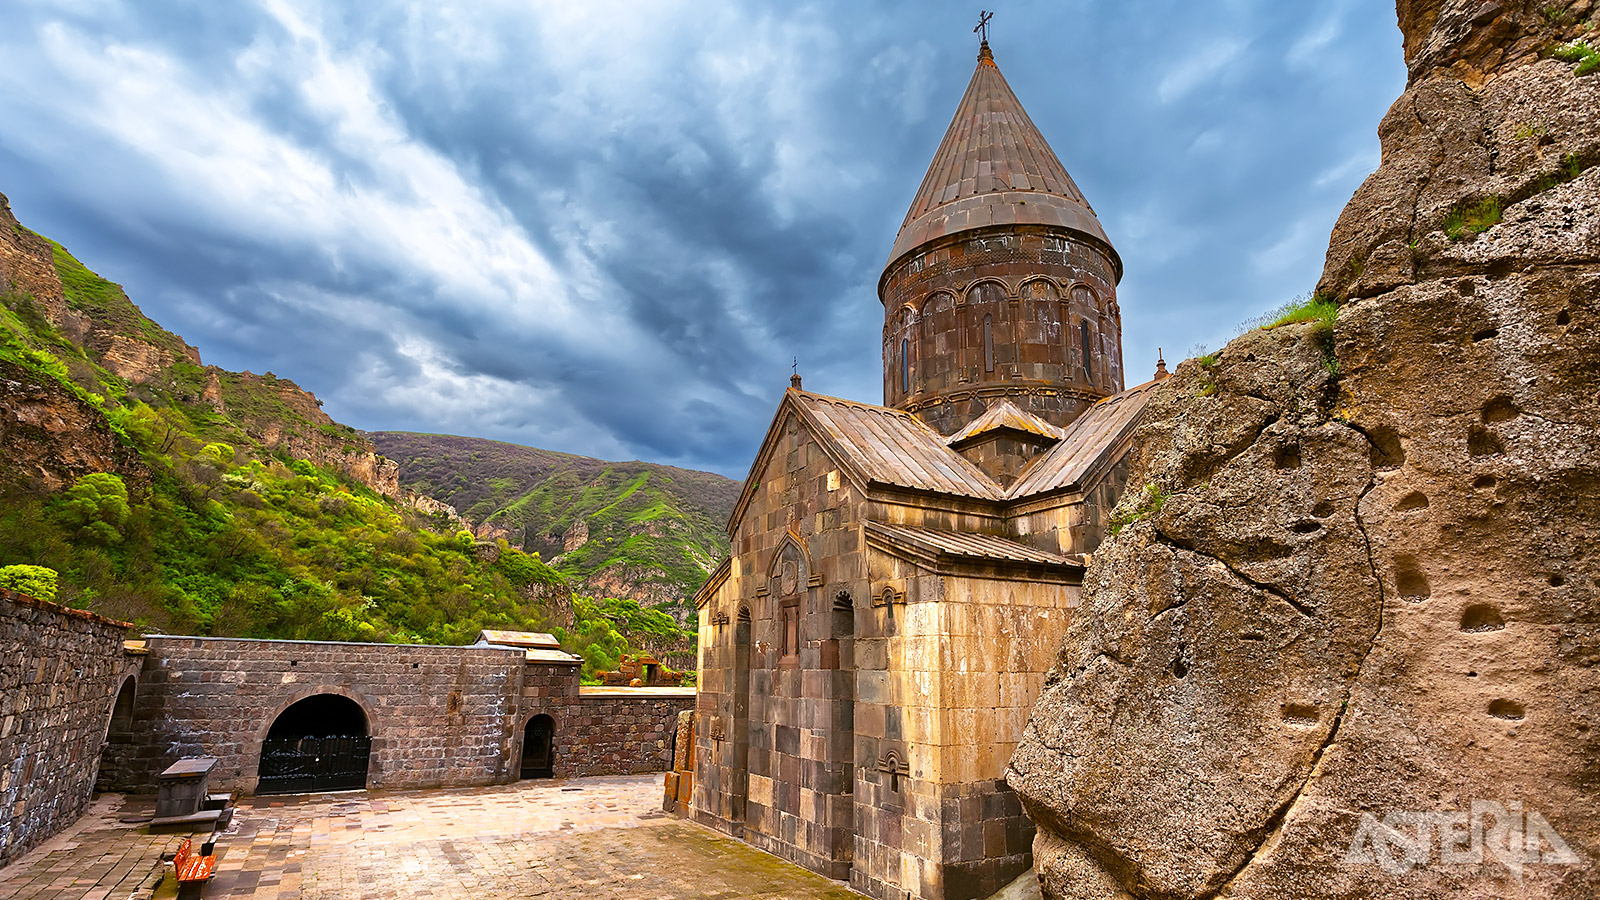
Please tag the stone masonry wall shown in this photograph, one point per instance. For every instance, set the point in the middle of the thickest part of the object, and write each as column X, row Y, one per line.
column 1047, row 297
column 59, row 672
column 606, row 734
column 438, row 716
column 775, row 747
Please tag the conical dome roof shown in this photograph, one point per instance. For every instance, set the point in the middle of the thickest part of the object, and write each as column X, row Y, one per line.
column 994, row 168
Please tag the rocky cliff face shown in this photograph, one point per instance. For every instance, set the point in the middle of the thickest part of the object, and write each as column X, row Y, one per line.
column 1351, row 644
column 50, row 438
column 283, row 416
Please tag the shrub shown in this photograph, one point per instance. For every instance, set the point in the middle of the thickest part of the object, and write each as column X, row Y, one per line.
column 98, row 507
column 37, row 582
column 1587, row 58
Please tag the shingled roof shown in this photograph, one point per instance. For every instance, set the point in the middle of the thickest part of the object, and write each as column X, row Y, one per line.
column 994, row 168
column 943, row 546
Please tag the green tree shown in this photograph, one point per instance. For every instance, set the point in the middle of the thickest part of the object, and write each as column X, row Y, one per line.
column 98, row 507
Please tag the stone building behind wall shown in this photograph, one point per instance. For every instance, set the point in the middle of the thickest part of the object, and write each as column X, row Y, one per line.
column 901, row 574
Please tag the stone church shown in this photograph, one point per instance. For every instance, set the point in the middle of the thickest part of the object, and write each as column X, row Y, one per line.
column 901, row 574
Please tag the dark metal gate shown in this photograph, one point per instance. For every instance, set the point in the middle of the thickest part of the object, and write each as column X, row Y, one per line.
column 314, row 764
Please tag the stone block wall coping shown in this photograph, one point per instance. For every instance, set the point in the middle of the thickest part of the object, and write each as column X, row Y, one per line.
column 362, row 644
column 639, row 692
column 48, row 606
column 550, row 657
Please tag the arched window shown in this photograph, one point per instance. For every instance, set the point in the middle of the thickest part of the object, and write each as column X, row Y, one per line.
column 1088, row 359
column 905, row 365
column 788, row 581
column 988, row 344
column 937, row 342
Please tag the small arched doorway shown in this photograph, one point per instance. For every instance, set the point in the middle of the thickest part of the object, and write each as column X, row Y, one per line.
column 317, row 744
column 538, row 747
column 120, row 727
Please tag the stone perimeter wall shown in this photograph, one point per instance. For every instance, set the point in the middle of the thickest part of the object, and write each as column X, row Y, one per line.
column 438, row 716
column 59, row 673
column 610, row 735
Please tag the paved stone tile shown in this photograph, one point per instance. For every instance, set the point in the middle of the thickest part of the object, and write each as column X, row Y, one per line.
column 98, row 857
column 588, row 839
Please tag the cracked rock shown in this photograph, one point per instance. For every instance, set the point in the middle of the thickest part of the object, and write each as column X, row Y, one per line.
column 1368, row 596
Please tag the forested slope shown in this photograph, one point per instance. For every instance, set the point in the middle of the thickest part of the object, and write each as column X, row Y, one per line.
column 635, row 530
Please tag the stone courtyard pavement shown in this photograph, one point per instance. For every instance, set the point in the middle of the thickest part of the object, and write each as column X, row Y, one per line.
column 589, row 838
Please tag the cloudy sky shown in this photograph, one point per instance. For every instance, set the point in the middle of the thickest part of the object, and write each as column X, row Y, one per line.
column 607, row 227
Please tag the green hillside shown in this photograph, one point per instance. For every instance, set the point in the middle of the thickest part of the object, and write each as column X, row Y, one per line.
column 136, row 482
column 653, row 532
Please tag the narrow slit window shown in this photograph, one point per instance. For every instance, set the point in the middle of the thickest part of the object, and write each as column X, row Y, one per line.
column 905, row 364
column 791, row 631
column 1088, row 361
column 988, row 344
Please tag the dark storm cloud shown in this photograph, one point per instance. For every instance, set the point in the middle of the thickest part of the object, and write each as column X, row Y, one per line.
column 606, row 228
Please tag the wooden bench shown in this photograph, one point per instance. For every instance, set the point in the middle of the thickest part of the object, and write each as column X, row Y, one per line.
column 192, row 870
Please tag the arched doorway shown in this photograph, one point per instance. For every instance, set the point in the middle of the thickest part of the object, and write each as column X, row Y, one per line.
column 538, row 747
column 121, row 724
column 317, row 744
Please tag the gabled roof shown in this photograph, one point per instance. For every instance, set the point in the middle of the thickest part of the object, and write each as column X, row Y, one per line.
column 1087, row 446
column 994, row 168
column 714, row 582
column 894, row 447
column 948, row 545
column 873, row 445
column 1005, row 416
column 523, row 639
column 881, row 447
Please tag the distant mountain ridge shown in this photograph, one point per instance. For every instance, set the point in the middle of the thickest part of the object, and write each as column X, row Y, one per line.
column 634, row 530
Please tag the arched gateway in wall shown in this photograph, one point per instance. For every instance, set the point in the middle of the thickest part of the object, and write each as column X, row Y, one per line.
column 320, row 743
column 538, row 747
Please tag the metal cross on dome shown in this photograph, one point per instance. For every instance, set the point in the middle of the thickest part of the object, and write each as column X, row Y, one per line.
column 983, row 25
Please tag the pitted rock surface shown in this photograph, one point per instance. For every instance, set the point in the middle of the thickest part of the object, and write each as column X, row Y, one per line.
column 1364, row 581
